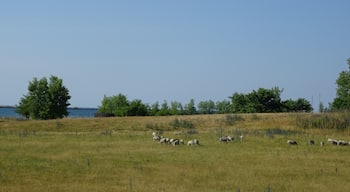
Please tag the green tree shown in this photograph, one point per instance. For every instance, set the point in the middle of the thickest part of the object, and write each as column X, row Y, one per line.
column 342, row 99
column 241, row 103
column 289, row 106
column 45, row 99
column 206, row 107
column 176, row 108
column 303, row 105
column 164, row 109
column 223, row 107
column 117, row 105
column 190, row 108
column 299, row 105
column 137, row 108
column 267, row 101
column 154, row 109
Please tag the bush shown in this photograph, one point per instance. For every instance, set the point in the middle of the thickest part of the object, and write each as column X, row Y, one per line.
column 176, row 123
column 233, row 119
column 324, row 121
column 104, row 114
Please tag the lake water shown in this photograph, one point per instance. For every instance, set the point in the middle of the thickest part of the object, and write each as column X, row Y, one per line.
column 73, row 112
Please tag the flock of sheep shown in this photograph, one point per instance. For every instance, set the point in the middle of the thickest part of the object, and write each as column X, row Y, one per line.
column 332, row 141
column 174, row 142
column 193, row 142
column 227, row 139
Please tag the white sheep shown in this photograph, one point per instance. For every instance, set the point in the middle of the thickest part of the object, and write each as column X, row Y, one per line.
column 156, row 138
column 193, row 142
column 164, row 140
column 292, row 142
column 226, row 139
column 175, row 142
column 241, row 138
column 333, row 141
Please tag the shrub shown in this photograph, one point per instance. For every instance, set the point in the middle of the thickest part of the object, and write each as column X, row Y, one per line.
column 233, row 119
column 324, row 121
column 176, row 123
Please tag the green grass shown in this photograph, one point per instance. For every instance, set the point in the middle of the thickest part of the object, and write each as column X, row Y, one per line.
column 118, row 154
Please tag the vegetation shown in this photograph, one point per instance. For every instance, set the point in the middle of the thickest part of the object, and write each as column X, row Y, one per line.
column 45, row 100
column 260, row 101
column 118, row 154
column 342, row 100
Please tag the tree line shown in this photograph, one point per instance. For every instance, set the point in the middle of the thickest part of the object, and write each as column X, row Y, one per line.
column 49, row 99
column 258, row 101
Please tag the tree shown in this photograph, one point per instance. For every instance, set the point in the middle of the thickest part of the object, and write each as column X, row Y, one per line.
column 137, row 108
column 190, row 108
column 342, row 99
column 117, row 105
column 266, row 100
column 241, row 104
column 45, row 99
column 303, row 105
column 154, row 109
column 223, row 107
column 321, row 107
column 289, row 106
column 206, row 107
column 164, row 110
column 176, row 108
column 299, row 105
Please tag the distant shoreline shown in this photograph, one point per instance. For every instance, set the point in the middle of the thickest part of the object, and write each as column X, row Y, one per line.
column 75, row 108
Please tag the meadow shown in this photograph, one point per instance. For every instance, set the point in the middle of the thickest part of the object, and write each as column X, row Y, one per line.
column 118, row 154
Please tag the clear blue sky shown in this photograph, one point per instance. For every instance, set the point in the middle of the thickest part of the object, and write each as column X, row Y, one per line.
column 174, row 50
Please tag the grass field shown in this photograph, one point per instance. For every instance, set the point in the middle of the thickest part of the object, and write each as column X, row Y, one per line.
column 118, row 154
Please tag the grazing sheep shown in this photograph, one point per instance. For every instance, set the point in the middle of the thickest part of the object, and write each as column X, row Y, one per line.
column 164, row 140
column 154, row 134
column 175, row 142
column 241, row 138
column 338, row 142
column 322, row 143
column 193, row 142
column 226, row 139
column 343, row 143
column 311, row 142
column 292, row 142
column 156, row 138
column 333, row 141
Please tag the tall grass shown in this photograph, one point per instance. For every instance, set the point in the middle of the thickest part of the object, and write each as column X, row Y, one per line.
column 118, row 154
column 339, row 121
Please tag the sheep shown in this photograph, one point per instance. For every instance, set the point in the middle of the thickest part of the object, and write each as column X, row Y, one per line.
column 193, row 142
column 154, row 134
column 164, row 140
column 338, row 142
column 181, row 141
column 322, row 143
column 311, row 142
column 226, row 139
column 343, row 143
column 292, row 142
column 156, row 138
column 175, row 142
column 333, row 141
column 241, row 138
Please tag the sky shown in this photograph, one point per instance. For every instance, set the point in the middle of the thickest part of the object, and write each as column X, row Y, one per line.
column 167, row 50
